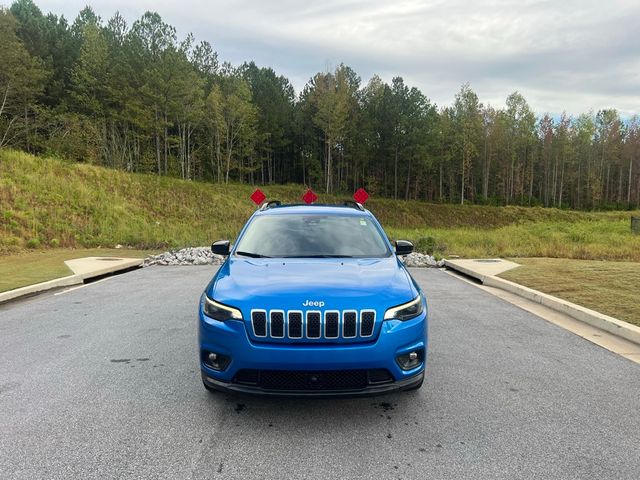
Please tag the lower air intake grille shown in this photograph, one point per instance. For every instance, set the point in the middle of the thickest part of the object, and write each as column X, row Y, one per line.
column 291, row 380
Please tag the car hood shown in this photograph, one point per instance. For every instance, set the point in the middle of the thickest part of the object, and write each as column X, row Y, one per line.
column 289, row 283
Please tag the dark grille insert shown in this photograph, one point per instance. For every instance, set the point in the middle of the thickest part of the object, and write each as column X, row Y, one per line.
column 367, row 320
column 277, row 324
column 313, row 324
column 349, row 320
column 312, row 380
column 332, row 324
column 380, row 375
column 295, row 380
column 247, row 377
column 259, row 321
column 295, row 325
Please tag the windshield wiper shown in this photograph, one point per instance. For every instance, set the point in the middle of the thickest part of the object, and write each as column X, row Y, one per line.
column 252, row 255
column 319, row 256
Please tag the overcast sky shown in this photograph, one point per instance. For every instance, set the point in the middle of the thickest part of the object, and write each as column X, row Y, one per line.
column 573, row 55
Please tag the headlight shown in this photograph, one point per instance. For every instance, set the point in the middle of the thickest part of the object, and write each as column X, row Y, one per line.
column 406, row 311
column 220, row 312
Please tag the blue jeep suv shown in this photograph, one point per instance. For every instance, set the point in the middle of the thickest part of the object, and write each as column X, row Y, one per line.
column 312, row 300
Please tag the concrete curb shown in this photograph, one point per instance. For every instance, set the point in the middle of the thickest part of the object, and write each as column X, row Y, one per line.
column 82, row 268
column 91, row 267
column 596, row 319
column 40, row 287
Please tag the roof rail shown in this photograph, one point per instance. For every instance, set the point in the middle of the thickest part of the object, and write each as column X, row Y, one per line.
column 353, row 204
column 278, row 203
column 270, row 204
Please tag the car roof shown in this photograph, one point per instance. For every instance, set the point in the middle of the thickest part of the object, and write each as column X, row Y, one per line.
column 314, row 209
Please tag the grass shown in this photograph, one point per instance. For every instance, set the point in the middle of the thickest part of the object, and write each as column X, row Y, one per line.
column 52, row 210
column 49, row 203
column 603, row 238
column 612, row 288
column 27, row 268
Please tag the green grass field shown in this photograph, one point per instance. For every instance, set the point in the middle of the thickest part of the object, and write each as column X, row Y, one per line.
column 26, row 268
column 612, row 288
column 48, row 203
column 51, row 211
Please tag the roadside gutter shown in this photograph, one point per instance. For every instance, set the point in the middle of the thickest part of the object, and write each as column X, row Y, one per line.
column 486, row 271
column 83, row 269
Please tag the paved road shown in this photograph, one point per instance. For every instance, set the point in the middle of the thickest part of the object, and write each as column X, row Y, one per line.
column 102, row 382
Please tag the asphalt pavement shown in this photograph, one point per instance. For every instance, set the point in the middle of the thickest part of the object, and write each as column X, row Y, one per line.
column 102, row 382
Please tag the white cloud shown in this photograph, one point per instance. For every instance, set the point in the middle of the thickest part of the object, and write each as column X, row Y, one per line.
column 574, row 55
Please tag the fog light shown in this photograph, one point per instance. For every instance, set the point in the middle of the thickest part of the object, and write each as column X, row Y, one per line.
column 216, row 361
column 411, row 360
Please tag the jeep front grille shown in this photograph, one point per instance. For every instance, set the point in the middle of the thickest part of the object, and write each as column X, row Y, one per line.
column 313, row 325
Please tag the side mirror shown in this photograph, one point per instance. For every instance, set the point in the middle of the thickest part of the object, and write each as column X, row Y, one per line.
column 221, row 247
column 403, row 247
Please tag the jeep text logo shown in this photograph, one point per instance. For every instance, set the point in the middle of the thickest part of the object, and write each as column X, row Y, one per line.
column 310, row 303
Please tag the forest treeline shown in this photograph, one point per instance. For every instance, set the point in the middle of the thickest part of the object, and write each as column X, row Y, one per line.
column 136, row 97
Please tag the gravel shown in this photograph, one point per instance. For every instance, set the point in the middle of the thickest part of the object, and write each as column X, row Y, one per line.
column 185, row 256
column 204, row 256
column 422, row 260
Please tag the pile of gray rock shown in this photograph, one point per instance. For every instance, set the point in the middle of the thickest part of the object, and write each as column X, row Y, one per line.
column 416, row 259
column 204, row 256
column 185, row 256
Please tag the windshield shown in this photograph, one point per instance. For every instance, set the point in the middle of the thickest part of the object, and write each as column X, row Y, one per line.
column 312, row 236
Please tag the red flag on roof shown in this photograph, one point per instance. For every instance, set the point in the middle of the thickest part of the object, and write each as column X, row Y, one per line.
column 309, row 197
column 258, row 196
column 361, row 195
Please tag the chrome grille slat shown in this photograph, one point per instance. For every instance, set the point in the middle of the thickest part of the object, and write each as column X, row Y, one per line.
column 313, row 325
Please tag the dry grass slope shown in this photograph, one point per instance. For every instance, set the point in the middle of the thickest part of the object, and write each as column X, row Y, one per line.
column 608, row 287
column 49, row 203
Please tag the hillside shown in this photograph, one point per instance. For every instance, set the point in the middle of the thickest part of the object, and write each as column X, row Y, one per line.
column 47, row 203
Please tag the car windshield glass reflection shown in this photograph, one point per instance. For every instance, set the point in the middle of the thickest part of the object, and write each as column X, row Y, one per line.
column 312, row 236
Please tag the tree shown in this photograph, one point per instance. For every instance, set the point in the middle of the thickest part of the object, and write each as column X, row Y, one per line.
column 334, row 97
column 274, row 99
column 609, row 140
column 89, row 76
column 522, row 125
column 49, row 40
column 142, row 99
column 21, row 81
column 468, row 132
column 232, row 121
column 632, row 154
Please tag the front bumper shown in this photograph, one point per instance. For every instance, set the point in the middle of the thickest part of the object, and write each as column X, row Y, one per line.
column 230, row 338
column 406, row 384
